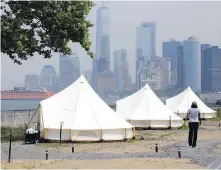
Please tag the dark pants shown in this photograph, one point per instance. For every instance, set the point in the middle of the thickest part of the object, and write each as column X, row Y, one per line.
column 193, row 129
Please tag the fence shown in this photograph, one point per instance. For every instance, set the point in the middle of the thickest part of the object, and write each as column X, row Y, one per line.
column 16, row 117
column 20, row 117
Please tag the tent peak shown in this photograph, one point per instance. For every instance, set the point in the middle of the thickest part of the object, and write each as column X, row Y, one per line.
column 146, row 87
column 189, row 88
column 82, row 79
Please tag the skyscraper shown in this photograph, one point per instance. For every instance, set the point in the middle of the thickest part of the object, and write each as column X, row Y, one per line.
column 102, row 61
column 69, row 70
column 47, row 75
column 102, row 34
column 203, row 47
column 165, row 67
column 180, row 77
column 87, row 75
column 32, row 81
column 152, row 75
column 170, row 51
column 211, row 79
column 145, row 46
column 146, row 40
column 192, row 63
column 121, row 69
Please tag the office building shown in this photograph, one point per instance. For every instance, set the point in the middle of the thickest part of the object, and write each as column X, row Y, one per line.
column 105, row 84
column 151, row 74
column 146, row 40
column 211, row 78
column 87, row 75
column 32, row 81
column 180, row 74
column 47, row 74
column 165, row 66
column 130, row 86
column 170, row 51
column 173, row 78
column 203, row 47
column 121, row 69
column 192, row 64
column 145, row 46
column 69, row 70
column 102, row 61
column 55, row 84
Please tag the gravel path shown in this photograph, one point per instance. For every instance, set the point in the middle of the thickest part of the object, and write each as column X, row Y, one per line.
column 203, row 154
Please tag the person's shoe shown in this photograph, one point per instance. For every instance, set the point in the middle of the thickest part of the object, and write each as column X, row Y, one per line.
column 190, row 144
column 193, row 146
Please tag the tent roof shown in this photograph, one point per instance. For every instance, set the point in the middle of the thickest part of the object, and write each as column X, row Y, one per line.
column 144, row 105
column 182, row 102
column 80, row 108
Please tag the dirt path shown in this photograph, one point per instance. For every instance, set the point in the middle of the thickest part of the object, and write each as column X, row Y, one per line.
column 135, row 154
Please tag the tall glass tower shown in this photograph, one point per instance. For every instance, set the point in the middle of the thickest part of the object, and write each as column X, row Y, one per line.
column 145, row 46
column 102, row 61
column 192, row 64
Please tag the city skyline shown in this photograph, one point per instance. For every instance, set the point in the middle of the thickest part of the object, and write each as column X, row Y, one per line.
column 195, row 22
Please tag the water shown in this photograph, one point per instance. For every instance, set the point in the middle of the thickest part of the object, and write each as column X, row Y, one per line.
column 29, row 104
column 33, row 104
column 19, row 104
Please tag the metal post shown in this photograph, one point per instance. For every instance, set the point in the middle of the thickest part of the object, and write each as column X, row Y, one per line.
column 46, row 155
column 60, row 133
column 125, row 134
column 29, row 115
column 170, row 123
column 13, row 118
column 156, row 147
column 219, row 125
column 149, row 125
column 179, row 153
column 10, row 144
column 72, row 148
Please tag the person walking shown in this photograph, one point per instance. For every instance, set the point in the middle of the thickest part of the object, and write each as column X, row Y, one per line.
column 193, row 115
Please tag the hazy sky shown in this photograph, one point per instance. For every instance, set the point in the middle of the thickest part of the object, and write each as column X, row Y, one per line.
column 177, row 20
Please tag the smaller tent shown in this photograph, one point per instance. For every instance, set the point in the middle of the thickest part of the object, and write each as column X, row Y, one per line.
column 144, row 109
column 180, row 104
column 83, row 114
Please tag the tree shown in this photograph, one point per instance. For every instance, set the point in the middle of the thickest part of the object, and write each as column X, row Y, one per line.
column 43, row 27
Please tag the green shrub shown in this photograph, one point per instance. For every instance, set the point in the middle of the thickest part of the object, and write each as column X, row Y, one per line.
column 218, row 115
column 18, row 132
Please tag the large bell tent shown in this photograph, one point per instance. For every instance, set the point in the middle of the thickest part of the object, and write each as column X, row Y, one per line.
column 83, row 114
column 180, row 104
column 144, row 109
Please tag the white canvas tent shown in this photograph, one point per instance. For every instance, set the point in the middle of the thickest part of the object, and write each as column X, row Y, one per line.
column 180, row 104
column 144, row 109
column 85, row 116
